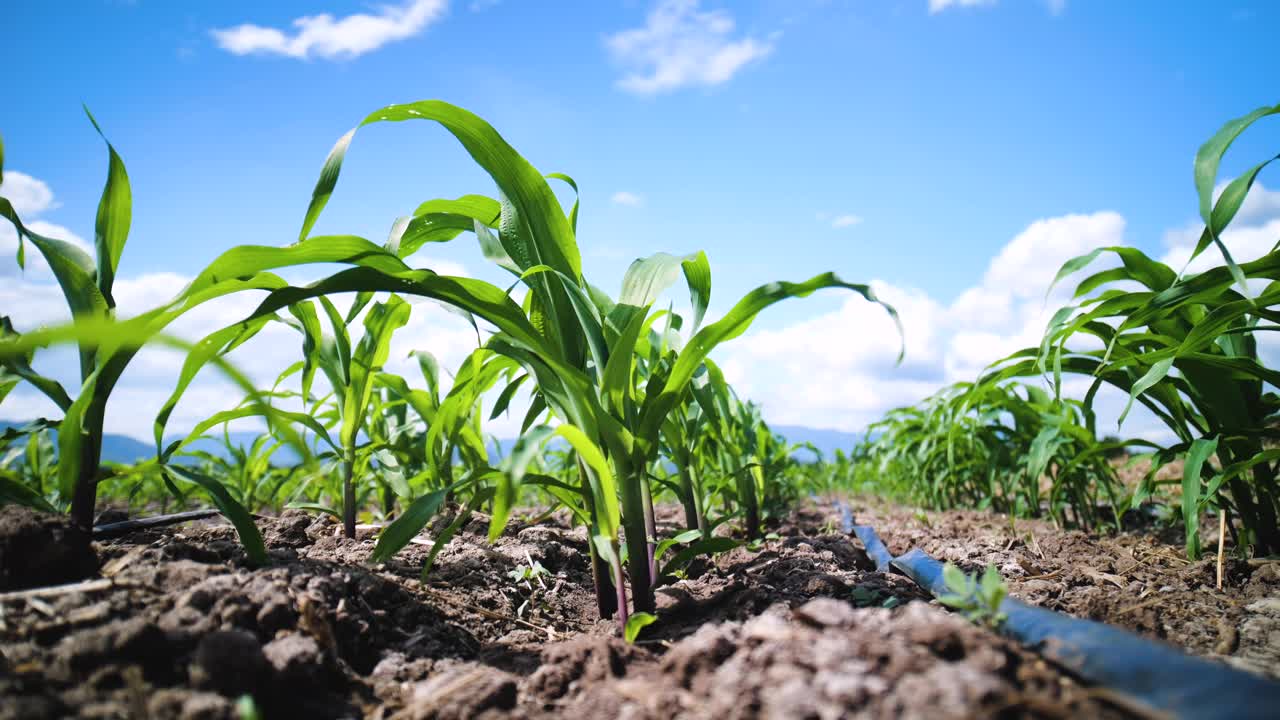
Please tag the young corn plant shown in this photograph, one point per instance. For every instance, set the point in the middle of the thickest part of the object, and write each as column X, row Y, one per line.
column 579, row 346
column 1185, row 346
column 107, row 344
column 352, row 373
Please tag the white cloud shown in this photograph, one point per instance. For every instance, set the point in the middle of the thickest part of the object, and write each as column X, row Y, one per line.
column 1251, row 234
column 30, row 198
column 1055, row 7
column 28, row 195
column 628, row 199
column 682, row 46
column 1029, row 262
column 837, row 370
column 324, row 36
column 844, row 221
column 937, row 6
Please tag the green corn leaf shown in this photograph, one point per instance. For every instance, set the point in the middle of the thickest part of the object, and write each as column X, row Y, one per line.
column 317, row 508
column 528, row 191
column 1206, row 174
column 1210, row 155
column 383, row 320
column 115, row 214
column 665, row 546
column 1155, row 374
column 404, row 528
column 605, row 489
column 492, row 249
column 72, row 267
column 312, row 339
column 13, row 491
column 73, row 433
column 280, row 419
column 507, row 489
column 204, row 351
column 250, row 536
column 480, row 497
column 573, row 212
column 325, row 184
column 709, row 546
column 20, row 367
column 635, row 623
column 647, row 278
column 430, row 368
column 616, row 381
column 504, row 398
column 1200, row 451
column 734, row 323
column 422, row 402
column 697, row 274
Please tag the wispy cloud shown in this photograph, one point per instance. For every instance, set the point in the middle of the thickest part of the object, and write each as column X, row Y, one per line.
column 326, row 37
column 683, row 46
column 844, row 221
column 937, row 6
column 1055, row 7
column 629, row 199
column 30, row 198
column 839, row 369
column 28, row 195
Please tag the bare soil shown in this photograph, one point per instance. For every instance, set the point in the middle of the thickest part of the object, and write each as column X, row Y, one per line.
column 177, row 625
column 1140, row 580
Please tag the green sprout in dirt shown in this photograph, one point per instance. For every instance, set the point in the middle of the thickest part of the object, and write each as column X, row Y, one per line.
column 977, row 599
column 637, row 622
column 864, row 596
column 533, row 571
column 528, row 574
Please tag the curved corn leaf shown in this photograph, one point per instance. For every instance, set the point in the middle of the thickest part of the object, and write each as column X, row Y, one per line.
column 1200, row 451
column 250, row 536
column 734, row 323
column 383, row 320
column 115, row 214
column 404, row 528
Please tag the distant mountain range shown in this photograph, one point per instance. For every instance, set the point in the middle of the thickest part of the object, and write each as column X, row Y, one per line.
column 828, row 441
column 125, row 449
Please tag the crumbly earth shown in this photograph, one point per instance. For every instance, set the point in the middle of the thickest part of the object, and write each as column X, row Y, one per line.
column 1140, row 580
column 177, row 625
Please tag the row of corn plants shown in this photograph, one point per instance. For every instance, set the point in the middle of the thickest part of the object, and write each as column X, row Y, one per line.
column 1008, row 447
column 1186, row 346
column 1183, row 345
column 625, row 403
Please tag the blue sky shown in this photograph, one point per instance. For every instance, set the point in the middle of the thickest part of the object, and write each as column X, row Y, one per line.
column 951, row 150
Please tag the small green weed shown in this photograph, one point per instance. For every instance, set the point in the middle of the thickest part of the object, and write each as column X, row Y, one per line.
column 978, row 600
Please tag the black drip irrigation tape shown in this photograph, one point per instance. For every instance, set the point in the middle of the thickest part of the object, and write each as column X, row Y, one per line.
column 124, row 527
column 1151, row 676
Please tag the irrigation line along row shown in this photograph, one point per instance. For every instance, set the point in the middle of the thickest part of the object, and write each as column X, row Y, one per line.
column 1149, row 676
column 124, row 527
